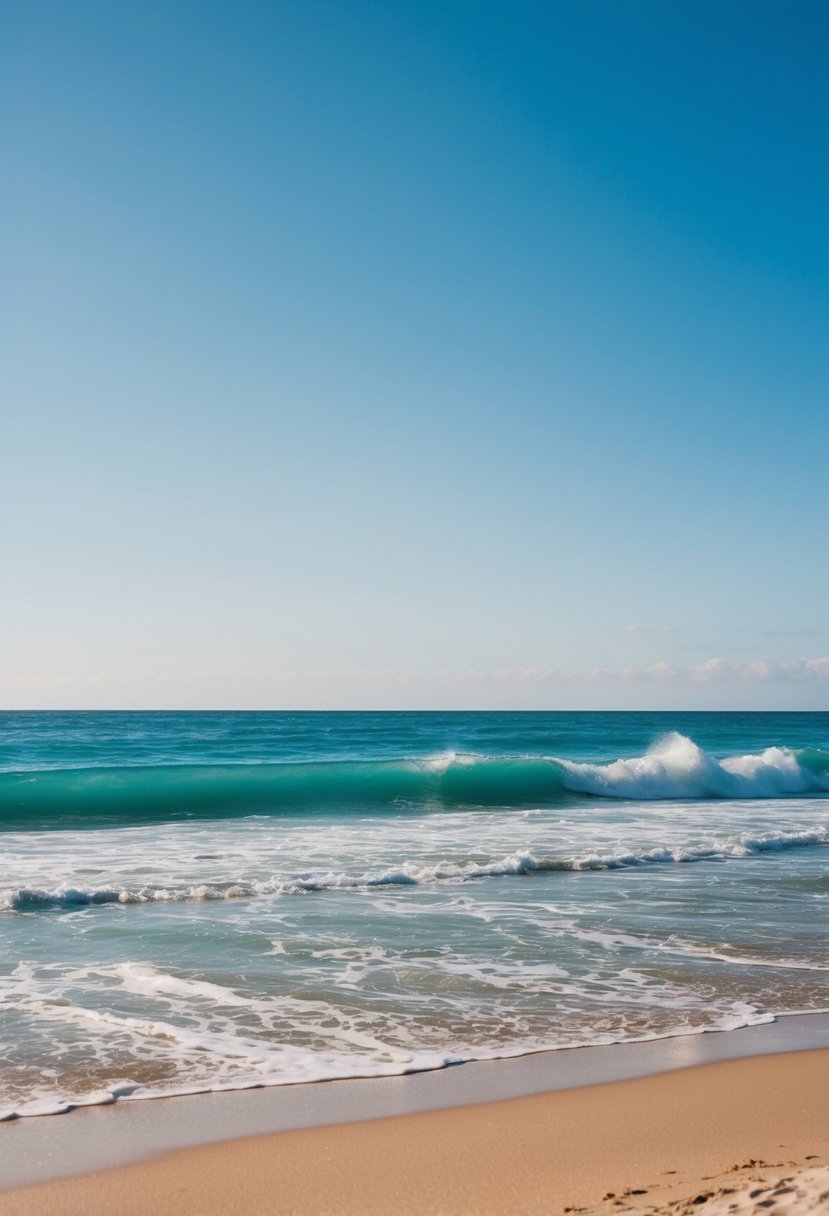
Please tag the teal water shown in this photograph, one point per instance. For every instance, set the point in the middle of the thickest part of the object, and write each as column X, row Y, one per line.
column 210, row 900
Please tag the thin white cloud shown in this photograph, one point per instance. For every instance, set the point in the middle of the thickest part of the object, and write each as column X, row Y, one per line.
column 752, row 683
column 710, row 670
column 759, row 671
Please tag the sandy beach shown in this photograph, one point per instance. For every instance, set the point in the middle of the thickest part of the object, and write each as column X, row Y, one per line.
column 414, row 662
column 736, row 1136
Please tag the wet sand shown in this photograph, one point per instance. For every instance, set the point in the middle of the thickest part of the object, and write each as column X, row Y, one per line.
column 698, row 1138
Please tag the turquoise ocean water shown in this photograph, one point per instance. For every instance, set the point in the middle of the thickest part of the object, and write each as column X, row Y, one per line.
column 195, row 901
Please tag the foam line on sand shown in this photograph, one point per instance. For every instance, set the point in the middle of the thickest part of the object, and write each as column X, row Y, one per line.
column 722, row 1134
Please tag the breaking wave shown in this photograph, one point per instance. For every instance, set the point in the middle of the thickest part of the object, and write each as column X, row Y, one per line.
column 674, row 767
column 27, row 899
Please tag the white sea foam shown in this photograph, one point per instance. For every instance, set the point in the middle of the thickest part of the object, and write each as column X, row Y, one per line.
column 675, row 767
column 221, row 1038
column 407, row 875
column 202, row 954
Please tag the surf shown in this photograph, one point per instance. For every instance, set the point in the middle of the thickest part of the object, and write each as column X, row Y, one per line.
column 517, row 865
column 674, row 767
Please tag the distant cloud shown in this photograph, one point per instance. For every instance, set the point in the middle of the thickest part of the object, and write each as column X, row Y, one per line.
column 791, row 633
column 804, row 680
column 758, row 671
column 711, row 670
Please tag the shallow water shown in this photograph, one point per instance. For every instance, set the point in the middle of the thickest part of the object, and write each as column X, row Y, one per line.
column 193, row 901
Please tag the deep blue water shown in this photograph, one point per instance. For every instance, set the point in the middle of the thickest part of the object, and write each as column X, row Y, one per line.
column 41, row 740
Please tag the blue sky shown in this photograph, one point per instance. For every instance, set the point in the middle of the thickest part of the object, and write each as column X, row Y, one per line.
column 419, row 354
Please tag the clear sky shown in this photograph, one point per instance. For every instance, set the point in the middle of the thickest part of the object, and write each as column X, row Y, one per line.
column 414, row 354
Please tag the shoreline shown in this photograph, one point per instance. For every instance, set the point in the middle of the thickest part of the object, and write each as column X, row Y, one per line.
column 738, row 1136
column 124, row 1134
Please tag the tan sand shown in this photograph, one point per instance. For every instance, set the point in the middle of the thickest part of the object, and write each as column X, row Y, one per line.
column 697, row 1139
column 768, row 1192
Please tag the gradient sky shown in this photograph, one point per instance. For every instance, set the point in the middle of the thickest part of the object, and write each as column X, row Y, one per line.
column 415, row 354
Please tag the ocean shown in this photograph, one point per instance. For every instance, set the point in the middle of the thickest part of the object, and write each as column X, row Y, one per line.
column 218, row 900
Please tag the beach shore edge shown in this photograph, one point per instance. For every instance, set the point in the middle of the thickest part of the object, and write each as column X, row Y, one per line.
column 695, row 1100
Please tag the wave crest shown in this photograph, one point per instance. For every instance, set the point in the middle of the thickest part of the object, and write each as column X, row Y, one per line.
column 674, row 767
